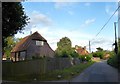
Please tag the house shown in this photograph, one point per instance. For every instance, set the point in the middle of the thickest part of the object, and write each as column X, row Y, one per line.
column 81, row 50
column 31, row 46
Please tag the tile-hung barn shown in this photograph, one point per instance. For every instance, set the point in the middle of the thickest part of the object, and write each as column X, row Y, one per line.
column 31, row 46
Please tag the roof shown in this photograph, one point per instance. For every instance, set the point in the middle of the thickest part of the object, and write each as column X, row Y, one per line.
column 82, row 51
column 24, row 43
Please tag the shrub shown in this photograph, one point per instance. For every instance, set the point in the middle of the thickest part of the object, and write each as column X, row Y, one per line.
column 69, row 54
column 98, row 54
column 74, row 54
column 113, row 60
column 85, row 57
column 64, row 54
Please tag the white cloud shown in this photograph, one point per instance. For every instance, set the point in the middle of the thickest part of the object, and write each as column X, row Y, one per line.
column 39, row 18
column 59, row 5
column 64, row 5
column 42, row 30
column 87, row 4
column 110, row 10
column 71, row 12
column 88, row 22
column 105, row 43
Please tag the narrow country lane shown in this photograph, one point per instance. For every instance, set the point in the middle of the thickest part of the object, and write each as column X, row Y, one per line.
column 98, row 72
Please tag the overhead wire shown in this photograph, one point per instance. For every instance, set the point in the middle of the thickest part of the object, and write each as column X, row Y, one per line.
column 104, row 25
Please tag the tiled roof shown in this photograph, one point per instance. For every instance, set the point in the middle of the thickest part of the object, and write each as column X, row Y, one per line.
column 82, row 51
column 24, row 43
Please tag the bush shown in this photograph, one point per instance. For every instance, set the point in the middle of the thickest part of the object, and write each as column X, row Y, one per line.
column 113, row 60
column 74, row 54
column 98, row 54
column 85, row 57
column 64, row 54
column 69, row 54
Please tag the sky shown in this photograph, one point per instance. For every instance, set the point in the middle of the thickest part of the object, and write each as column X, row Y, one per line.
column 79, row 21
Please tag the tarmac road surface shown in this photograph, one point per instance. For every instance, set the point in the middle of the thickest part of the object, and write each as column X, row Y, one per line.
column 98, row 72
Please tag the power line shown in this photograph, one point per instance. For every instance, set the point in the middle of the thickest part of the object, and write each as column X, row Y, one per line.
column 103, row 27
column 107, row 22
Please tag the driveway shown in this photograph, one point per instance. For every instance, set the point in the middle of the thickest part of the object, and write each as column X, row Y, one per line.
column 98, row 72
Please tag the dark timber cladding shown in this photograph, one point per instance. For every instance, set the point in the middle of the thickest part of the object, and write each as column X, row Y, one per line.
column 31, row 46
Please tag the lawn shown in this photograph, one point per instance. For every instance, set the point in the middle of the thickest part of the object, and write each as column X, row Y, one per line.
column 65, row 74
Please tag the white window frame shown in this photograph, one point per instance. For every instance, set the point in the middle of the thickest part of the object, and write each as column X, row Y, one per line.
column 39, row 43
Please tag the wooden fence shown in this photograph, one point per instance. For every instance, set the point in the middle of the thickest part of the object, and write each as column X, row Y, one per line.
column 38, row 66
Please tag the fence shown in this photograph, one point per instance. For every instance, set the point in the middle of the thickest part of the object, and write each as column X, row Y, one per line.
column 38, row 66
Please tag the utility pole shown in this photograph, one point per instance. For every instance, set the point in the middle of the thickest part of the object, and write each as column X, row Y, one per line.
column 89, row 47
column 116, row 47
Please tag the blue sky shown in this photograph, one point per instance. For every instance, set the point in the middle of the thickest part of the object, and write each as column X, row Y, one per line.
column 79, row 21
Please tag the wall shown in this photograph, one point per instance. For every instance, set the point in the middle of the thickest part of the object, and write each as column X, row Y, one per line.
column 34, row 50
column 38, row 66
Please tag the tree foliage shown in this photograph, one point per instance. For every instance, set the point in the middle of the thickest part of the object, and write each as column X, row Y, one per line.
column 10, row 42
column 99, row 49
column 99, row 53
column 64, row 48
column 14, row 19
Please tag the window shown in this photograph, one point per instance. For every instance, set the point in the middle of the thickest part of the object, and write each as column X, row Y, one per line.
column 39, row 43
column 22, row 55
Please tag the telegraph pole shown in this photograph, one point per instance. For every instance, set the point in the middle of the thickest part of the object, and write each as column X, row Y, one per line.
column 89, row 47
column 116, row 47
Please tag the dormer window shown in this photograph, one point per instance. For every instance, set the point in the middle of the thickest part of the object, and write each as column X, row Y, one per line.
column 39, row 43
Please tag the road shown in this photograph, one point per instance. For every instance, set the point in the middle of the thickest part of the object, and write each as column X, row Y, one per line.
column 98, row 72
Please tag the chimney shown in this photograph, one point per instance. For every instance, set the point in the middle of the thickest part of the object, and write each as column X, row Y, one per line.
column 85, row 47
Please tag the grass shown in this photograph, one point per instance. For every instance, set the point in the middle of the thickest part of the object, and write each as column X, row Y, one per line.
column 66, row 74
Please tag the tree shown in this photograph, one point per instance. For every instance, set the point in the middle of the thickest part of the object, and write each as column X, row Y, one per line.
column 10, row 44
column 99, row 49
column 14, row 19
column 64, row 48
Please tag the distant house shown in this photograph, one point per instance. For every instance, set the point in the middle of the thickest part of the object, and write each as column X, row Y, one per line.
column 31, row 46
column 81, row 50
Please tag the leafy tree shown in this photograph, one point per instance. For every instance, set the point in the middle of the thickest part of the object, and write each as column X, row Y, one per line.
column 99, row 49
column 10, row 42
column 14, row 19
column 64, row 48
column 99, row 53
